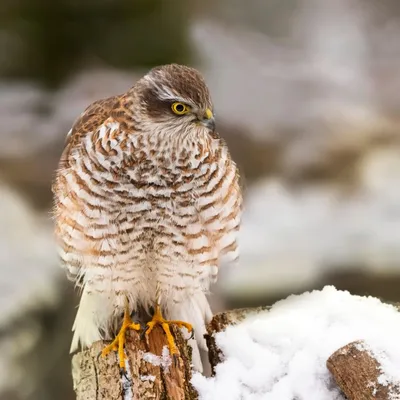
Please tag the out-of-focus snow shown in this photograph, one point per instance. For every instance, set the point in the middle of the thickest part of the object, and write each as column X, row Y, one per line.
column 290, row 237
column 261, row 83
column 281, row 354
column 27, row 257
column 33, row 117
column 28, row 278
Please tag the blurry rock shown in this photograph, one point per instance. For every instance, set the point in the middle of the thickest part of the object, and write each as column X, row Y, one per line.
column 22, row 114
column 353, row 278
column 35, row 361
column 336, row 156
column 255, row 158
column 35, row 309
column 357, row 280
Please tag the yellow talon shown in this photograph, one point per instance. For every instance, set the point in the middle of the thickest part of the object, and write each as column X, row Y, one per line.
column 118, row 343
column 158, row 319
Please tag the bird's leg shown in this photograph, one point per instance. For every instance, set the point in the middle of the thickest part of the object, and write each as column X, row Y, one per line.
column 158, row 319
column 118, row 343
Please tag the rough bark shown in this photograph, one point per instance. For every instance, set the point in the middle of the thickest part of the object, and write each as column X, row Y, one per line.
column 357, row 373
column 219, row 323
column 99, row 378
column 151, row 373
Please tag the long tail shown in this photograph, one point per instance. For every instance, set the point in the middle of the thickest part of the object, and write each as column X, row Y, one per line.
column 197, row 312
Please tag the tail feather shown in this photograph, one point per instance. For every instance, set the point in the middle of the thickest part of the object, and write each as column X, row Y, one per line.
column 197, row 312
column 86, row 326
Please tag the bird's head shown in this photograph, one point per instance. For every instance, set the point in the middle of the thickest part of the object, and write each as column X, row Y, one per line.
column 175, row 98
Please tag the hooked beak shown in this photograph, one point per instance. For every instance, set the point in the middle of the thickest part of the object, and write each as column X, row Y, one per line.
column 208, row 120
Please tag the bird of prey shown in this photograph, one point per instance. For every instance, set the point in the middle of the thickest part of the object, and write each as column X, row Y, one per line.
column 147, row 205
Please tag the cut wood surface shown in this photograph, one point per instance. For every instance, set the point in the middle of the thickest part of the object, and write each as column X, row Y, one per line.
column 357, row 373
column 151, row 372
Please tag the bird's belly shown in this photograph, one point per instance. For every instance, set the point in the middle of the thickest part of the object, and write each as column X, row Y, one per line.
column 155, row 250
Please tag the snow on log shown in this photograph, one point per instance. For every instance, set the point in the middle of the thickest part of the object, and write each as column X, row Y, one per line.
column 151, row 372
column 359, row 374
column 219, row 323
column 281, row 353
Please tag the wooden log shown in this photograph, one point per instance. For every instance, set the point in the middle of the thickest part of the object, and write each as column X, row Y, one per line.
column 219, row 323
column 151, row 373
column 357, row 373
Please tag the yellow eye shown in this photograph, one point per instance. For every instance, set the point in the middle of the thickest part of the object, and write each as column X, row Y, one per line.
column 180, row 108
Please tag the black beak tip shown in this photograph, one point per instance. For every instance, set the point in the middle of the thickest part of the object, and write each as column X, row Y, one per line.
column 210, row 124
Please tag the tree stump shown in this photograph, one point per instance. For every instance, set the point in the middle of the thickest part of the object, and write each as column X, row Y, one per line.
column 219, row 323
column 150, row 374
column 357, row 373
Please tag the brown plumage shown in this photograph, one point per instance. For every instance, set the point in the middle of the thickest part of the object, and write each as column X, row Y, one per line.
column 147, row 203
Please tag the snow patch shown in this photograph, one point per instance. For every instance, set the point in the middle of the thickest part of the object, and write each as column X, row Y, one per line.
column 150, row 378
column 126, row 382
column 388, row 373
column 164, row 360
column 281, row 354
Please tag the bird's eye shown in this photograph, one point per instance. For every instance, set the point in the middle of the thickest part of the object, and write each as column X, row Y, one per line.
column 180, row 108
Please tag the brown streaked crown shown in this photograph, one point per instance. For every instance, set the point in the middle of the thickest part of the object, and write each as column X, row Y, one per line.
column 164, row 84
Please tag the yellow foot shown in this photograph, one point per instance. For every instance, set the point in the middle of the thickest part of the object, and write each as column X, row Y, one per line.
column 158, row 319
column 119, row 341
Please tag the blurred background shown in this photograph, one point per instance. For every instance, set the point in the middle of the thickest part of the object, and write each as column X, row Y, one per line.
column 307, row 95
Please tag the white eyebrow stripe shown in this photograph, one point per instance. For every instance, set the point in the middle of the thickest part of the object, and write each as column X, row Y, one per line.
column 165, row 93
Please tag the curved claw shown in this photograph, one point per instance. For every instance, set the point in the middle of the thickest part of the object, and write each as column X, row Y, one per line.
column 143, row 333
column 175, row 359
column 192, row 334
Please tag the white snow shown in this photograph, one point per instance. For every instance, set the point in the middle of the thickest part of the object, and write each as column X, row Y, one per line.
column 150, row 378
column 281, row 354
column 126, row 382
column 389, row 372
column 290, row 238
column 164, row 360
column 28, row 259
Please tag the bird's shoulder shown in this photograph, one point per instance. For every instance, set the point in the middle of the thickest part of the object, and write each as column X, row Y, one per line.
column 92, row 118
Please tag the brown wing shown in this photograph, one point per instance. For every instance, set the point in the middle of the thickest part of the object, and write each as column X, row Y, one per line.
column 93, row 116
column 89, row 121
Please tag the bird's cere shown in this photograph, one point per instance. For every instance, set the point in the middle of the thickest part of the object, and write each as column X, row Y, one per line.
column 208, row 114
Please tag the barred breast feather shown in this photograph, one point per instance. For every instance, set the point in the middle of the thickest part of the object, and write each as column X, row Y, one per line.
column 141, row 215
